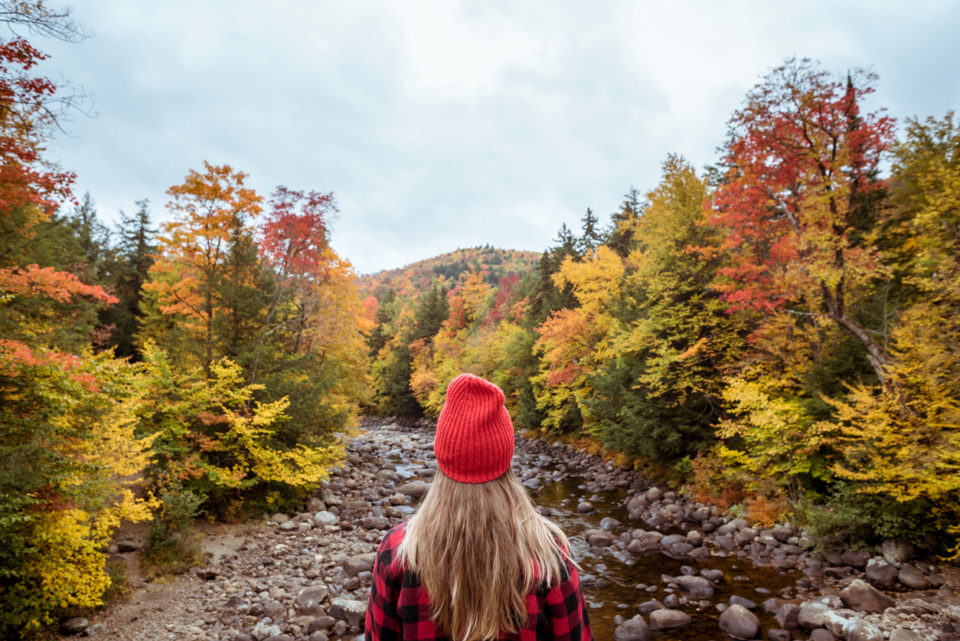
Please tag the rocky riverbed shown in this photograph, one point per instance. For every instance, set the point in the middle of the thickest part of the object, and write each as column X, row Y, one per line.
column 654, row 565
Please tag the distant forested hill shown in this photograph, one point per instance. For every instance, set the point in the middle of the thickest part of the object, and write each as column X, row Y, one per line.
column 450, row 268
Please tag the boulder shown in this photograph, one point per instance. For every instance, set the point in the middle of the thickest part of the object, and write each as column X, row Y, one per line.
column 714, row 576
column 635, row 629
column 856, row 558
column 274, row 609
column 697, row 586
column 376, row 523
column 745, row 602
column 913, row 578
column 812, row 615
column 599, row 538
column 321, row 624
column 822, row 635
column 350, row 610
column 667, row 619
column 414, row 489
column 354, row 565
column 739, row 622
column 74, row 625
column 778, row 634
column 788, row 616
column 310, row 600
column 896, row 551
column 863, row 597
column 881, row 572
column 860, row 630
column 325, row 518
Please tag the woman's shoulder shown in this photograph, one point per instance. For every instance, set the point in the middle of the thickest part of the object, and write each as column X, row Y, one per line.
column 389, row 546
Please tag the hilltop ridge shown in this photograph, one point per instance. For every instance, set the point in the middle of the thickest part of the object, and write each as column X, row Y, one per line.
column 449, row 268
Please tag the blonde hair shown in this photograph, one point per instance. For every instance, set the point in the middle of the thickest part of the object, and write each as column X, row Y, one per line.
column 478, row 549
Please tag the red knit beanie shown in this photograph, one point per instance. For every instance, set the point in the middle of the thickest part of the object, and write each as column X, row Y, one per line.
column 474, row 442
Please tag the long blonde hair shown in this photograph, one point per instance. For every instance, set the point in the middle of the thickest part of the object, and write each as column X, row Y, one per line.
column 479, row 549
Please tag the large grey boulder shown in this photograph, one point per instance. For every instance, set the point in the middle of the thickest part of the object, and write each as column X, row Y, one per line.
column 913, row 578
column 812, row 615
column 881, row 572
column 667, row 619
column 697, row 586
column 635, row 629
column 739, row 622
column 896, row 551
column 863, row 597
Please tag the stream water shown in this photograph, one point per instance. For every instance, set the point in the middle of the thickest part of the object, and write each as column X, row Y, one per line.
column 624, row 582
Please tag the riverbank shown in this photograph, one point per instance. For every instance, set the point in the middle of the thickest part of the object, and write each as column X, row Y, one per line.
column 643, row 551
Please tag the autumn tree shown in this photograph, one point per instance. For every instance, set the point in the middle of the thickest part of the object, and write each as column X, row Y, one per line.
column 658, row 391
column 206, row 266
column 295, row 245
column 801, row 161
column 911, row 457
column 68, row 431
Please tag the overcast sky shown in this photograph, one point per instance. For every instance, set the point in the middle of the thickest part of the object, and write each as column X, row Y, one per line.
column 441, row 125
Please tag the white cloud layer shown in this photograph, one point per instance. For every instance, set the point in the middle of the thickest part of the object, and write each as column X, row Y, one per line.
column 453, row 124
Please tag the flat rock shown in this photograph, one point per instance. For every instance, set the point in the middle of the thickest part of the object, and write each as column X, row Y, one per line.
column 739, row 622
column 599, row 538
column 310, row 601
column 350, row 610
column 414, row 489
column 667, row 619
column 376, row 523
column 354, row 565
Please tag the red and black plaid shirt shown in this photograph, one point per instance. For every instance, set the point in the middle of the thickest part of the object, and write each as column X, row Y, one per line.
column 399, row 608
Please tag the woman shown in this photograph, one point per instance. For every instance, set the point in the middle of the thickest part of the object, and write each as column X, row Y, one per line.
column 476, row 562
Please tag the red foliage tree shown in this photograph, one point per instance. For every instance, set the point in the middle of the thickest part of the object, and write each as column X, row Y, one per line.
column 801, row 159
